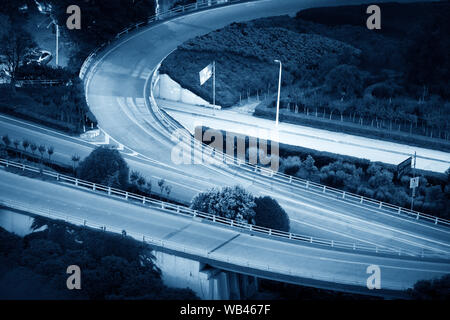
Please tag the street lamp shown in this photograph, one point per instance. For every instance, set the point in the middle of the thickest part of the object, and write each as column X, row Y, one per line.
column 57, row 39
column 278, row 98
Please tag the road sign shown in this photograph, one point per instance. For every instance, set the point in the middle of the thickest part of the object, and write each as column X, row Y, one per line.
column 404, row 166
column 414, row 183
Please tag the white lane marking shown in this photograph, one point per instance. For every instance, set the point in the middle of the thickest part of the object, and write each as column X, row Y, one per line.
column 366, row 229
column 354, row 238
column 309, row 257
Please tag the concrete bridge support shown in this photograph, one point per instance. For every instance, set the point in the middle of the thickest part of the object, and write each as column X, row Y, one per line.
column 207, row 282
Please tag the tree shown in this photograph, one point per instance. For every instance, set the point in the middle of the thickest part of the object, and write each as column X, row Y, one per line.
column 229, row 202
column 339, row 105
column 101, row 20
column 308, row 170
column 168, row 190
column 75, row 159
column 41, row 150
column 16, row 143
column 344, row 81
column 50, row 151
column 269, row 214
column 436, row 289
column 161, row 184
column 6, row 140
column 33, row 147
column 140, row 181
column 14, row 46
column 426, row 60
column 341, row 175
column 25, row 145
column 290, row 165
column 379, row 176
column 105, row 166
column 134, row 176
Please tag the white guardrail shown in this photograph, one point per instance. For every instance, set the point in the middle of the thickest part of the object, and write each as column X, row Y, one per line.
column 206, row 217
column 175, row 246
column 172, row 125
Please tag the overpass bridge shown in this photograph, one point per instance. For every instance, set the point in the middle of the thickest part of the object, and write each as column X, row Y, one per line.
column 206, row 256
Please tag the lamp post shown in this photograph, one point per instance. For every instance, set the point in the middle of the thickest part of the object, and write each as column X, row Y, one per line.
column 278, row 98
column 57, row 39
column 57, row 44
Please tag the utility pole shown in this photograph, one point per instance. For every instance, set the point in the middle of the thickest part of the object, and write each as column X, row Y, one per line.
column 278, row 98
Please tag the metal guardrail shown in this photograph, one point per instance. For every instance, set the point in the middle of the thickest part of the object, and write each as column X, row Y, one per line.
column 23, row 82
column 206, row 217
column 288, row 180
column 40, row 82
column 174, row 246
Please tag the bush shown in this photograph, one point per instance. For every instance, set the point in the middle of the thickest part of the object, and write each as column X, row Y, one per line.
column 290, row 165
column 344, row 80
column 437, row 289
column 341, row 175
column 229, row 202
column 269, row 214
column 105, row 166
column 61, row 107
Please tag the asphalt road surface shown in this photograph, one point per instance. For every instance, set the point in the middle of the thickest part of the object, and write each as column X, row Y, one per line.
column 237, row 251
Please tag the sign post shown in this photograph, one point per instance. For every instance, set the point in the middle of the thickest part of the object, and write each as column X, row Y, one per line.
column 413, row 183
column 206, row 73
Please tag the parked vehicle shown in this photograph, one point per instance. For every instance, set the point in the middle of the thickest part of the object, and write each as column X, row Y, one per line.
column 43, row 7
column 41, row 57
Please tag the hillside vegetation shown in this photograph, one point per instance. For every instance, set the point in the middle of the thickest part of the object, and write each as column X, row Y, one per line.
column 112, row 266
column 391, row 83
column 246, row 59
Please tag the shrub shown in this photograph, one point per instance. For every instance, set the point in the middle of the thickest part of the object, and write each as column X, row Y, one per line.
column 308, row 170
column 344, row 80
column 105, row 166
column 229, row 202
column 269, row 214
column 290, row 165
column 436, row 289
column 341, row 175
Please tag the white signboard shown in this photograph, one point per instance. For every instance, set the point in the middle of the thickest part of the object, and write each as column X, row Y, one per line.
column 414, row 182
column 206, row 73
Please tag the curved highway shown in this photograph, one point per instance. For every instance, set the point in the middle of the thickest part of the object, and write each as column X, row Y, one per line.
column 115, row 92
